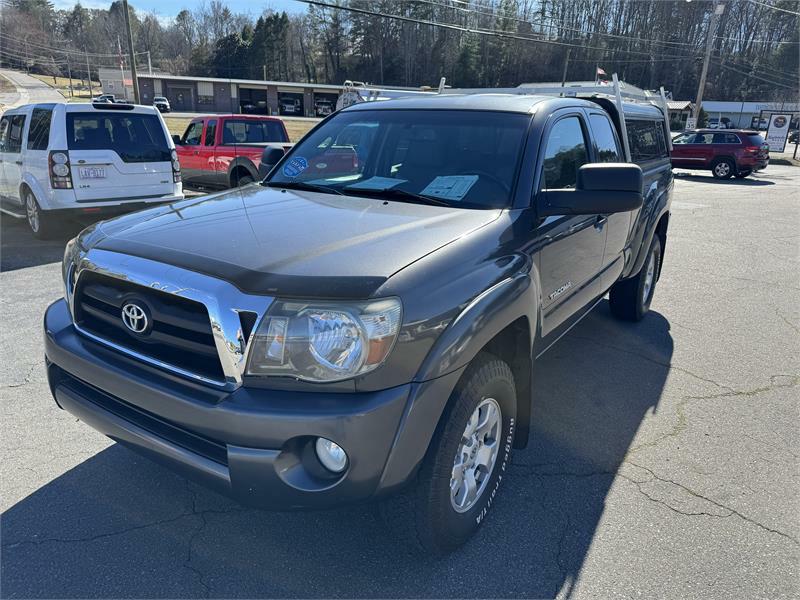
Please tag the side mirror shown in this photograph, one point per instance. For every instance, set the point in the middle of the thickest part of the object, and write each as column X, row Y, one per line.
column 176, row 138
column 269, row 158
column 602, row 188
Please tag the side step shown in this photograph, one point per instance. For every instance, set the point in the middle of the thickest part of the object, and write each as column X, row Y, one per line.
column 12, row 209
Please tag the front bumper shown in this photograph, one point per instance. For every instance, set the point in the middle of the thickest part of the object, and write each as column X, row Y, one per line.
column 255, row 445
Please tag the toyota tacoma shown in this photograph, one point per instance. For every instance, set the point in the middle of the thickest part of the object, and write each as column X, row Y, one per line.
column 362, row 324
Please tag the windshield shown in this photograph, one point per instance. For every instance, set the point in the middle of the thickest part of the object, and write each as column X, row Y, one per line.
column 135, row 137
column 462, row 158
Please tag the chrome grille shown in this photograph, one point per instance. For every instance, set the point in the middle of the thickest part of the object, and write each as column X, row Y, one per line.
column 180, row 335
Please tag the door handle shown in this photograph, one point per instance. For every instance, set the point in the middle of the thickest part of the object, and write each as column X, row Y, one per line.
column 600, row 222
column 196, row 152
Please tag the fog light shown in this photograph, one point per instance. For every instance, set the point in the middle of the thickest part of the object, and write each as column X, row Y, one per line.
column 331, row 455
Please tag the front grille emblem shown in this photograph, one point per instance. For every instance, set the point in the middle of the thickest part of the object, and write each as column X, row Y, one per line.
column 135, row 317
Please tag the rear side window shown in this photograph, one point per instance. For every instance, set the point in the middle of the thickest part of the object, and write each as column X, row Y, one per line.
column 134, row 137
column 252, row 132
column 39, row 134
column 211, row 131
column 725, row 138
column 605, row 142
column 564, row 155
column 646, row 140
column 14, row 143
column 755, row 139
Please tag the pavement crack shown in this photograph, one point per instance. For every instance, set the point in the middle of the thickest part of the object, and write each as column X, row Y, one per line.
column 691, row 492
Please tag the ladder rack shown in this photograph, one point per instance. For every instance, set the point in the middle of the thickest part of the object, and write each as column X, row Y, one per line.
column 617, row 91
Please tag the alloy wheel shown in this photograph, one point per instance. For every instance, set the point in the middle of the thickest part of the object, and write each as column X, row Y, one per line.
column 476, row 455
column 649, row 276
column 32, row 212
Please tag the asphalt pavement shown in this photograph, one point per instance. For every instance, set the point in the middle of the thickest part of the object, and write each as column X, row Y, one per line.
column 29, row 90
column 663, row 460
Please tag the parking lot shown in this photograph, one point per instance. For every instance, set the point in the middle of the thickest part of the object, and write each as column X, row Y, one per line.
column 663, row 460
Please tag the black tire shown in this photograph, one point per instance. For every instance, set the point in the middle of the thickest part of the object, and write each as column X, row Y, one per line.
column 723, row 168
column 244, row 180
column 743, row 174
column 424, row 516
column 628, row 299
column 40, row 222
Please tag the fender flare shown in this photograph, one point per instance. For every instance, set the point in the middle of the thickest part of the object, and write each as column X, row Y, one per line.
column 477, row 325
column 652, row 224
column 38, row 191
column 243, row 161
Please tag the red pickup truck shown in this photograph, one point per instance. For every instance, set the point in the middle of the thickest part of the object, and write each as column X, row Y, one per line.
column 222, row 151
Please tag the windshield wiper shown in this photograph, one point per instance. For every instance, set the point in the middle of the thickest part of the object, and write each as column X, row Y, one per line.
column 302, row 185
column 395, row 194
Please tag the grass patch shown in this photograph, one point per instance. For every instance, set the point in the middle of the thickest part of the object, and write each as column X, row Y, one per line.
column 81, row 93
column 6, row 85
column 295, row 129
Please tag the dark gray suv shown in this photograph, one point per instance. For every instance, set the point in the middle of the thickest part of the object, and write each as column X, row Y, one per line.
column 362, row 325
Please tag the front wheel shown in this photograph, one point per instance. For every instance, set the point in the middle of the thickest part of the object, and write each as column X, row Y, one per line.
column 244, row 180
column 630, row 299
column 466, row 463
column 41, row 224
column 743, row 174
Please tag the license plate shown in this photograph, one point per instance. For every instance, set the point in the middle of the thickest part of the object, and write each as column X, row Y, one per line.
column 92, row 172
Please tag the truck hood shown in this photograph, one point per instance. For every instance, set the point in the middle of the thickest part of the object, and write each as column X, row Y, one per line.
column 293, row 243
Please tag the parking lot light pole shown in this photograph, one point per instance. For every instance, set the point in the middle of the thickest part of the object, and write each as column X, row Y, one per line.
column 134, row 77
column 719, row 8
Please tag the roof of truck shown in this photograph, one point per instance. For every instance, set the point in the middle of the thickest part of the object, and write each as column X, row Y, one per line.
column 519, row 103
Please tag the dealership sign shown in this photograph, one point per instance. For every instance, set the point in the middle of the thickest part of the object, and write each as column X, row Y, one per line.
column 778, row 131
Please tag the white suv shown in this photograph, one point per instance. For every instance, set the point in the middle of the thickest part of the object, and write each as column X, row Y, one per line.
column 61, row 160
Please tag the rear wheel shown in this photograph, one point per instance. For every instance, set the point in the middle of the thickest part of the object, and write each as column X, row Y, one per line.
column 466, row 461
column 723, row 168
column 743, row 174
column 630, row 299
column 243, row 180
column 41, row 223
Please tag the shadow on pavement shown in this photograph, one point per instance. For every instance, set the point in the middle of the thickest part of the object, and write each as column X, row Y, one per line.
column 746, row 181
column 118, row 526
column 20, row 249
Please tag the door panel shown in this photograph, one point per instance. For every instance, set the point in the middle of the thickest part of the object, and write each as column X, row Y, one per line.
column 189, row 153
column 571, row 256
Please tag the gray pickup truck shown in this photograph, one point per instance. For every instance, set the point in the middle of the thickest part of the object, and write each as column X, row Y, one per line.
column 362, row 325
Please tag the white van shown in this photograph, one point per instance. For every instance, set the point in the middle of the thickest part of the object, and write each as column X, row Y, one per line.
column 60, row 160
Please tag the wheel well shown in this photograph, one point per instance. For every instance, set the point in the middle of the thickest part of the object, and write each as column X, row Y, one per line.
column 661, row 232
column 721, row 158
column 239, row 171
column 513, row 345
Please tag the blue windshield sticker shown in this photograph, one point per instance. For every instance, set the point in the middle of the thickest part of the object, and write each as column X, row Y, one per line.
column 295, row 166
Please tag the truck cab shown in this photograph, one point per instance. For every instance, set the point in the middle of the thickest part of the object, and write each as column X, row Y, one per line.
column 223, row 151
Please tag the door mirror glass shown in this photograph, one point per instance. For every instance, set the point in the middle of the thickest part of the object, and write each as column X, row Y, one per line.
column 176, row 139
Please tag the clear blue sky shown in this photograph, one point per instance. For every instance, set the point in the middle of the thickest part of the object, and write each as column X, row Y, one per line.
column 169, row 8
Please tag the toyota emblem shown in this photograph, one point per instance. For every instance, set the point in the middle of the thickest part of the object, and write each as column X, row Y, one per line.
column 135, row 317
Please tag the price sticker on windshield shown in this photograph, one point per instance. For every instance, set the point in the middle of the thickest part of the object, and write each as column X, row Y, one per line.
column 450, row 187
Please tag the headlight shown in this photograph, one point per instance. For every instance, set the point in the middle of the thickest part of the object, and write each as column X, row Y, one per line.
column 324, row 342
column 68, row 266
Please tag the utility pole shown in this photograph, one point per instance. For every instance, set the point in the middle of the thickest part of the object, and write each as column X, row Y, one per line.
column 719, row 8
column 264, row 72
column 566, row 66
column 134, row 76
column 69, row 74
column 88, row 73
column 149, row 64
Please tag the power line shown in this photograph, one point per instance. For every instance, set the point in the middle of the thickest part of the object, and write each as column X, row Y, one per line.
column 791, row 12
column 753, row 76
